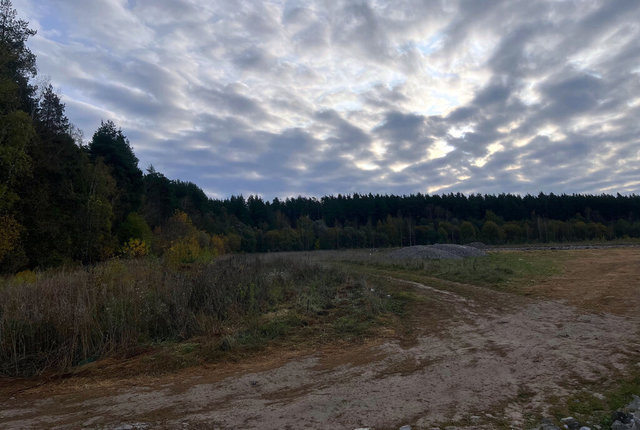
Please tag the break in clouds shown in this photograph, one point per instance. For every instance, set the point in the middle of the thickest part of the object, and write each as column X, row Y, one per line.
column 281, row 98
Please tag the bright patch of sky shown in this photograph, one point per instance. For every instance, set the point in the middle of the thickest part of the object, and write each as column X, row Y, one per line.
column 379, row 96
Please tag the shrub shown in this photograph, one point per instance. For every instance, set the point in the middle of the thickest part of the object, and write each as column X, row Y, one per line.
column 135, row 248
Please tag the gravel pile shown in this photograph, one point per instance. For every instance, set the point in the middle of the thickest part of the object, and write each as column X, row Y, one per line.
column 478, row 245
column 436, row 252
column 462, row 251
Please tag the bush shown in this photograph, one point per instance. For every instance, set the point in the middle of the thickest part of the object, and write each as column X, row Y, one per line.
column 135, row 248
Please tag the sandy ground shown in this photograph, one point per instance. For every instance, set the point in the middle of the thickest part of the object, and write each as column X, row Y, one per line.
column 475, row 359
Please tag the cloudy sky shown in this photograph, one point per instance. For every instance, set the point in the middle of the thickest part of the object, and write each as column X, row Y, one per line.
column 289, row 97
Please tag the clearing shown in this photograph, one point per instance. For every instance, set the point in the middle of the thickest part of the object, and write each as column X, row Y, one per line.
column 471, row 355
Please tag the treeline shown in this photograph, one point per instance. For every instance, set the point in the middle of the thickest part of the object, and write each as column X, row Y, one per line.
column 386, row 220
column 62, row 201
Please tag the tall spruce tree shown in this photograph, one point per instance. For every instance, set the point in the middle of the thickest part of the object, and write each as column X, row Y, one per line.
column 111, row 146
column 159, row 194
column 50, row 114
column 53, row 196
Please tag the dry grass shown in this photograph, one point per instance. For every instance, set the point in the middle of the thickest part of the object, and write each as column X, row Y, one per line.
column 61, row 319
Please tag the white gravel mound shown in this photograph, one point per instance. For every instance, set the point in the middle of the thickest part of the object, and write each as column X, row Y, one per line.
column 436, row 252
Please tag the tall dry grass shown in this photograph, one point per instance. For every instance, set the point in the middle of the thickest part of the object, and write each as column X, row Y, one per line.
column 64, row 318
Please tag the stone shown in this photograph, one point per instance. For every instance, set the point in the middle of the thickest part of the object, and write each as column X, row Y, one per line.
column 621, row 417
column 617, row 425
column 547, row 424
column 570, row 423
column 634, row 406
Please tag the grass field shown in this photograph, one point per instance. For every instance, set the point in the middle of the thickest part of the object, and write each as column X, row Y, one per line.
column 53, row 321
column 59, row 319
column 139, row 318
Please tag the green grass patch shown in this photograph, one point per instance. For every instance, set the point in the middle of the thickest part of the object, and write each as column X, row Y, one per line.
column 258, row 333
column 595, row 404
column 501, row 270
column 350, row 326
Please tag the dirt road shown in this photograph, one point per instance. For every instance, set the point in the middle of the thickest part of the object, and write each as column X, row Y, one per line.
column 476, row 359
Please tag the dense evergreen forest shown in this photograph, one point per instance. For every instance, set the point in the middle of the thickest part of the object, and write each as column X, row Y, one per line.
column 64, row 202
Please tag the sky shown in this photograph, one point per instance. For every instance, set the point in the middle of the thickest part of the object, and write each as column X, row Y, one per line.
column 283, row 98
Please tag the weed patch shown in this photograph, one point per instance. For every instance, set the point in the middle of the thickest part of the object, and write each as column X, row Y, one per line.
column 596, row 403
column 66, row 318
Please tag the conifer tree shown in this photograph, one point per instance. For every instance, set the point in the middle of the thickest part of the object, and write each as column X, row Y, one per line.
column 111, row 146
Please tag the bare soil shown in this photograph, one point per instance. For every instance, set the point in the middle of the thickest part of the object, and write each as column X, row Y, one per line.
column 471, row 358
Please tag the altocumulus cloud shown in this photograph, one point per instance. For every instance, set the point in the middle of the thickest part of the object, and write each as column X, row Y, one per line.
column 292, row 97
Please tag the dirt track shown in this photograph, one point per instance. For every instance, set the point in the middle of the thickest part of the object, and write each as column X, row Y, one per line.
column 476, row 359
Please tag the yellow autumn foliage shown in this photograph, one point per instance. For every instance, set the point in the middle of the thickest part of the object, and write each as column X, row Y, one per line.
column 217, row 244
column 135, row 248
column 25, row 277
column 183, row 250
